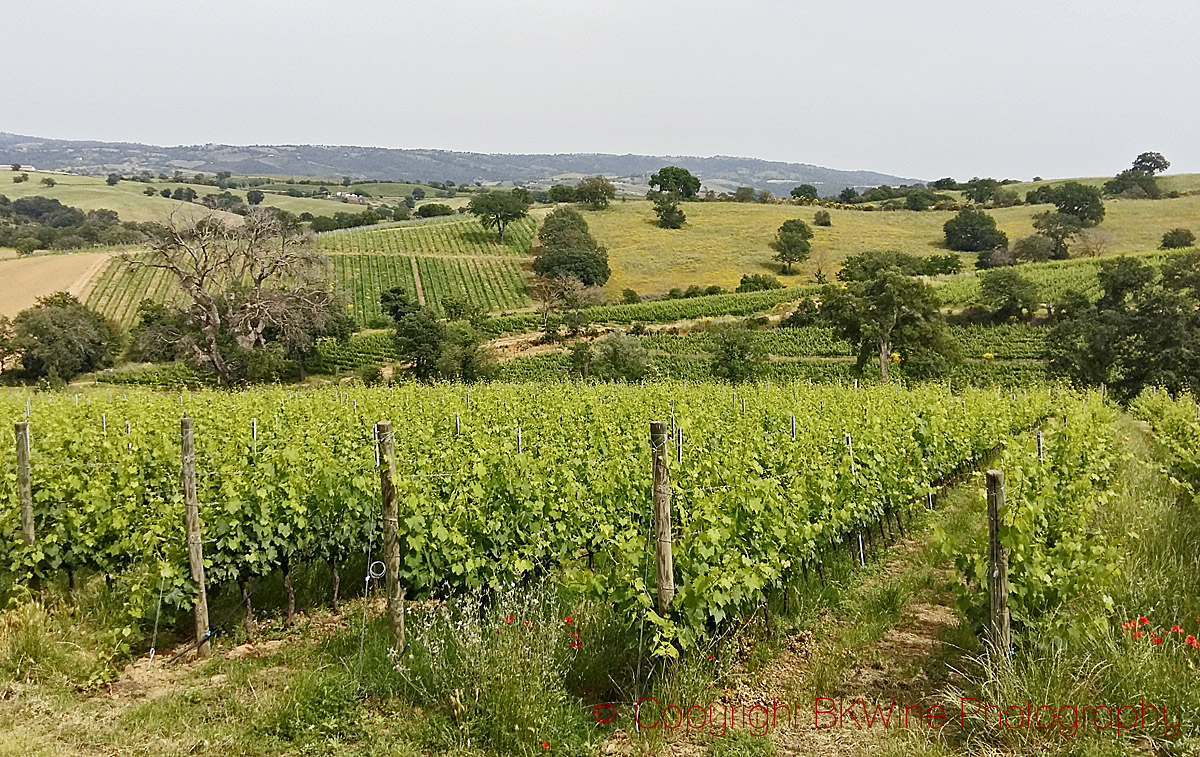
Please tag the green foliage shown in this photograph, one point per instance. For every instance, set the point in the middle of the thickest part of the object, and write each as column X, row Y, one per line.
column 890, row 315
column 758, row 282
column 666, row 207
column 1057, row 555
column 1178, row 238
column 1059, row 228
column 1081, row 201
column 1008, row 294
column 676, row 181
column 804, row 192
column 737, row 356
column 1139, row 333
column 595, row 192
column 974, row 231
column 568, row 248
column 497, row 209
column 822, row 218
column 1035, row 248
column 791, row 243
column 60, row 338
column 620, row 358
column 434, row 209
column 630, row 297
column 1151, row 163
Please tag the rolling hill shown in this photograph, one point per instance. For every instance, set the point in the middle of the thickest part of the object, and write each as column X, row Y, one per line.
column 423, row 165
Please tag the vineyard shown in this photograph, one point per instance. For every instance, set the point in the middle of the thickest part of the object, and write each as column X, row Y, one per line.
column 493, row 284
column 496, row 484
column 461, row 236
column 121, row 288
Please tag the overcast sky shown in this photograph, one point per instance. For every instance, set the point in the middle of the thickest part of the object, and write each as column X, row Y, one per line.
column 1010, row 88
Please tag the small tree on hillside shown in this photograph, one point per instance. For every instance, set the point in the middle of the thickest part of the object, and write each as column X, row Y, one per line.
column 60, row 338
column 973, row 231
column 112, row 179
column 1177, row 238
column 497, row 209
column 1080, row 200
column 595, row 192
column 737, row 356
column 791, row 243
column 822, row 218
column 1058, row 228
column 675, row 181
column 255, row 196
column 666, row 207
column 1151, row 163
column 804, row 192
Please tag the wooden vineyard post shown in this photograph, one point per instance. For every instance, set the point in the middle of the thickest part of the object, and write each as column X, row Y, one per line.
column 25, row 491
column 391, row 539
column 1041, row 449
column 662, row 515
column 999, row 626
column 191, row 519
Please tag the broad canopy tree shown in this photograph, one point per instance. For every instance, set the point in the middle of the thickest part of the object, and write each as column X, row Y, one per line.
column 889, row 315
column 792, row 243
column 496, row 209
column 675, row 181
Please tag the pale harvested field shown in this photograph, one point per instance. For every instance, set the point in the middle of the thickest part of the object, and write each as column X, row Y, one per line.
column 24, row 280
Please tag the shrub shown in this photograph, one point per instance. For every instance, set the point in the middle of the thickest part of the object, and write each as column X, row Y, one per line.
column 432, row 209
column 822, row 218
column 1176, row 238
column 26, row 245
column 758, row 282
column 630, row 297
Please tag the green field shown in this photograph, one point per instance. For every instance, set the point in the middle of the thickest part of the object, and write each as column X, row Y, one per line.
column 450, row 235
column 723, row 241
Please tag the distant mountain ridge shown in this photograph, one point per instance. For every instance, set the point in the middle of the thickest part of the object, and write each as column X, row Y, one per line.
column 722, row 173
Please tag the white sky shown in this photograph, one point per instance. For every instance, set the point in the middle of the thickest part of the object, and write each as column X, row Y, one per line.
column 1010, row 88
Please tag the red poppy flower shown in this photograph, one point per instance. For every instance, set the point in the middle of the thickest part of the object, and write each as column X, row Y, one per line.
column 1157, row 640
column 568, row 619
column 1129, row 625
column 1176, row 628
column 545, row 745
column 1191, row 641
column 527, row 622
column 1138, row 634
column 508, row 619
column 1142, row 619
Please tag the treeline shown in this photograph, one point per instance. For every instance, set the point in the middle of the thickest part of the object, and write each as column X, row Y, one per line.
column 40, row 223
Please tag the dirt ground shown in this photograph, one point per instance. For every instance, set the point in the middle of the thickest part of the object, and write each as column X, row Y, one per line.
column 23, row 281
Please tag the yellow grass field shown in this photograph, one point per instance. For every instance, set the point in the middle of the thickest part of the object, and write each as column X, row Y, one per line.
column 24, row 280
column 723, row 241
column 127, row 198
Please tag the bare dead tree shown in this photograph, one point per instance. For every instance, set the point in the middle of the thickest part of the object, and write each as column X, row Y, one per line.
column 242, row 279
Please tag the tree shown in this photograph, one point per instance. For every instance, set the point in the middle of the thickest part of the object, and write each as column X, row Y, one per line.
column 251, row 286
column 48, row 181
column 417, row 193
column 561, row 193
column 112, row 179
column 791, row 243
column 1035, row 248
column 20, row 178
column 60, row 338
column 1151, row 163
column 980, row 190
column 255, row 196
column 27, row 245
column 737, row 356
column 419, row 339
column 496, row 209
column 886, row 312
column 630, row 297
column 434, row 209
column 1139, row 333
column 1133, row 184
column 1176, row 238
column 1058, row 228
column 396, row 303
column 765, row 196
column 848, row 195
column 666, row 207
column 758, row 282
column 944, row 184
column 569, row 248
column 619, row 357
column 1008, row 294
column 822, row 218
column 743, row 194
column 595, row 192
column 974, row 231
column 675, row 181
column 581, row 359
column 804, row 192
column 920, row 199
column 15, row 167
column 1080, row 200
